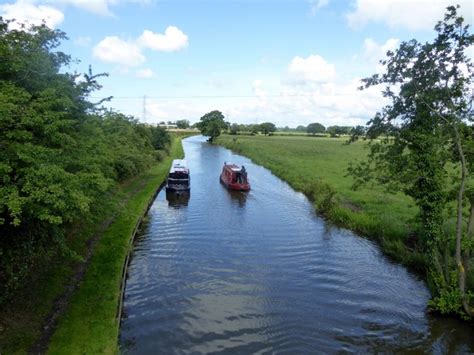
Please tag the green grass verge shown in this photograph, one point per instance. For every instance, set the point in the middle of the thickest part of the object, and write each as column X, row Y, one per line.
column 317, row 166
column 22, row 318
column 90, row 325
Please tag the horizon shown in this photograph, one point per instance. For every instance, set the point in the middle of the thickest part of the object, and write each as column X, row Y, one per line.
column 288, row 62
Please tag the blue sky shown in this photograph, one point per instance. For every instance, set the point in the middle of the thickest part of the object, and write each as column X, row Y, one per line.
column 287, row 61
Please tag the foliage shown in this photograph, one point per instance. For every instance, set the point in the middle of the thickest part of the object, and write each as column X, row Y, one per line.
column 267, row 128
column 314, row 128
column 211, row 124
column 59, row 153
column 87, row 329
column 160, row 139
column 336, row 131
column 234, row 128
column 416, row 140
column 356, row 133
column 182, row 124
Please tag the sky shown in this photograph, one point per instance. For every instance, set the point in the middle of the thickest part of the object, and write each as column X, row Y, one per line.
column 290, row 62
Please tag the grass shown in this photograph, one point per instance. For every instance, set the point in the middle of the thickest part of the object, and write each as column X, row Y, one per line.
column 317, row 166
column 21, row 319
column 90, row 324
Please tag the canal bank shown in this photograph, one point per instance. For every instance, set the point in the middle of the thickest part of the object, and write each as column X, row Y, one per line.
column 259, row 271
column 90, row 324
column 318, row 166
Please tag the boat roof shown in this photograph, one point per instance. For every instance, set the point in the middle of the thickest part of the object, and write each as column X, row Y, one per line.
column 179, row 165
column 233, row 167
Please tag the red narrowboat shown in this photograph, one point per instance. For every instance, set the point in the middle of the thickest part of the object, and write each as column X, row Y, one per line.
column 234, row 177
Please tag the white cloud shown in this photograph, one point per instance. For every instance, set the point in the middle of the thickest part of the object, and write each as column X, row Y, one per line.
column 115, row 50
column 326, row 98
column 97, row 7
column 257, row 88
column 36, row 10
column 374, row 52
column 313, row 69
column 129, row 53
column 173, row 40
column 410, row 14
column 83, row 41
column 156, row 112
column 315, row 5
column 470, row 52
column 329, row 104
column 146, row 73
column 26, row 12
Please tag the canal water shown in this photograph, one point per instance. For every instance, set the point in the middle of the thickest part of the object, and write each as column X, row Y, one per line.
column 260, row 272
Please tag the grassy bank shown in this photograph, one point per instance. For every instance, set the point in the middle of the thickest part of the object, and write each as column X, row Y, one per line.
column 317, row 166
column 90, row 324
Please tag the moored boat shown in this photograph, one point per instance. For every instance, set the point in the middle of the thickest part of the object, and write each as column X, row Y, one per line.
column 234, row 177
column 178, row 178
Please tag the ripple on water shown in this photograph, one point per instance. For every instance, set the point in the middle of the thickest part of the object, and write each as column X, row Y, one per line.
column 261, row 273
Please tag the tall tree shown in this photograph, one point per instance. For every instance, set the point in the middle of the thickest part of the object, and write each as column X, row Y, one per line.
column 183, row 124
column 211, row 124
column 59, row 153
column 267, row 128
column 314, row 128
column 418, row 134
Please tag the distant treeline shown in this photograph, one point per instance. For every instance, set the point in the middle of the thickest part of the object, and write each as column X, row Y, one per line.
column 60, row 154
column 311, row 129
column 269, row 128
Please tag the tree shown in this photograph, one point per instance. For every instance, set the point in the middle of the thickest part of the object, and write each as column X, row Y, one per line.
column 182, row 124
column 60, row 154
column 234, row 128
column 253, row 128
column 336, row 131
column 314, row 128
column 300, row 129
column 159, row 137
column 356, row 133
column 415, row 139
column 211, row 124
column 267, row 128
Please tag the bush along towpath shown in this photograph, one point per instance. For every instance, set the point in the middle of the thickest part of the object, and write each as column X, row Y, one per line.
column 91, row 322
column 72, row 306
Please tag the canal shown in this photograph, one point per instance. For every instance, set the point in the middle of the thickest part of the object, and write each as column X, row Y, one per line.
column 260, row 272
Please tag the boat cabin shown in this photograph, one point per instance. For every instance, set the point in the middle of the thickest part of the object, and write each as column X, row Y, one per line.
column 235, row 177
column 178, row 177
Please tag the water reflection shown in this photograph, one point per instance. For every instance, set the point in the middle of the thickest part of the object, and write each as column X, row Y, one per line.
column 239, row 198
column 178, row 199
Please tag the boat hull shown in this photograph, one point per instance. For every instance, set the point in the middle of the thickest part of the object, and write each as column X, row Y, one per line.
column 176, row 190
column 235, row 186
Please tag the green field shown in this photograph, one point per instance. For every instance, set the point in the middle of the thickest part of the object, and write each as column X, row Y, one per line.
column 317, row 166
column 90, row 324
